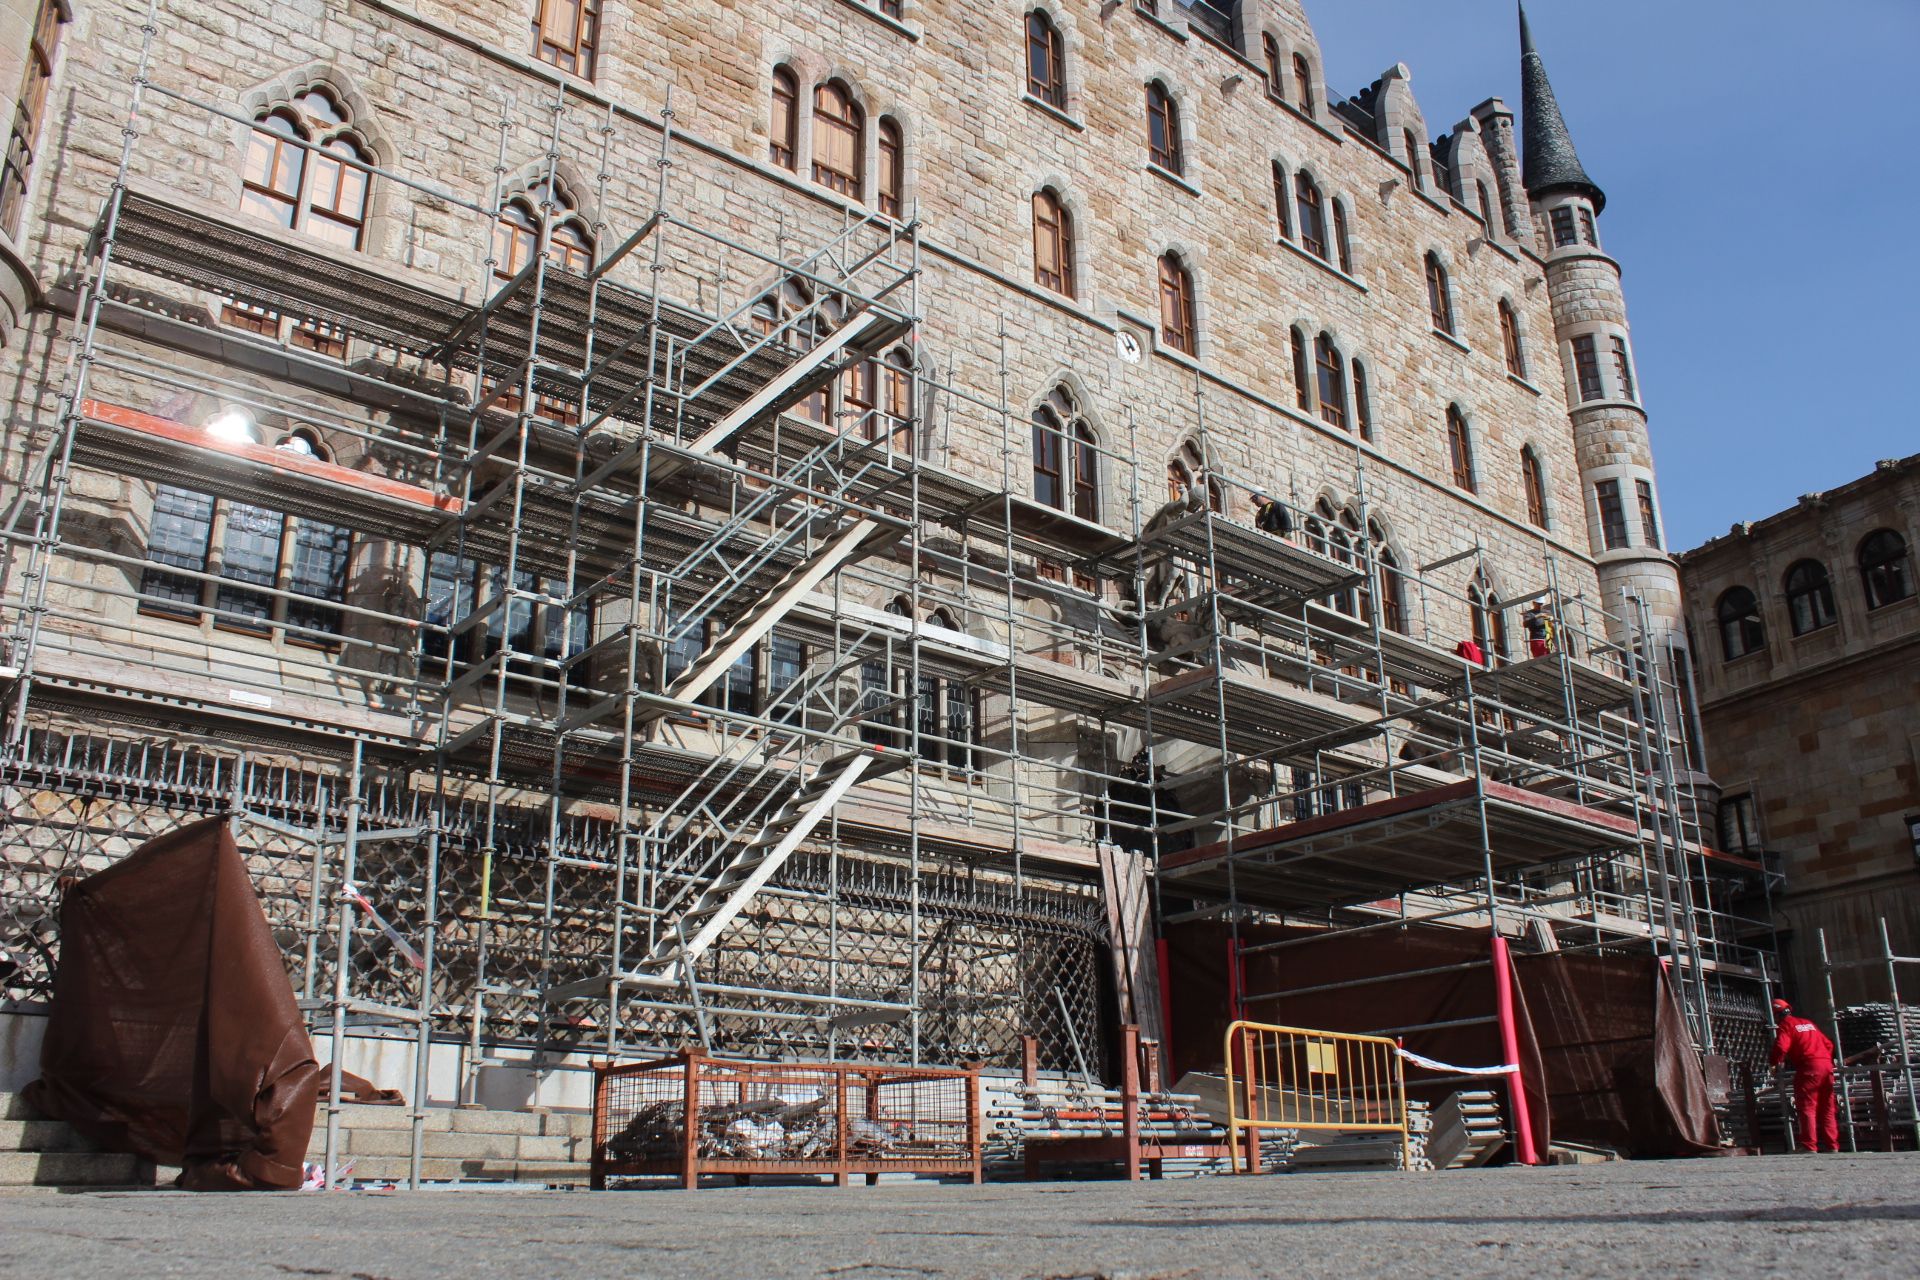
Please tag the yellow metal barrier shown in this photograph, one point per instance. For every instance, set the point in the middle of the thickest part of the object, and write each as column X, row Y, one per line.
column 1296, row 1078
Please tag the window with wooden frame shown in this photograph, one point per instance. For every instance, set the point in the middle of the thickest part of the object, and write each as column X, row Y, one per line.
column 783, row 129
column 1623, row 368
column 1489, row 621
column 1486, row 204
column 1510, row 340
column 892, row 8
column 29, row 115
column 1439, row 294
column 1586, row 368
column 1342, row 246
column 788, row 315
column 839, row 139
column 566, row 33
column 1302, row 378
column 1052, row 243
column 1303, row 84
column 1177, row 327
column 1810, row 597
column 1613, row 515
column 1313, row 215
column 1649, row 513
column 1163, row 129
column 516, row 240
column 1533, row 478
column 1283, row 200
column 1390, row 585
column 1561, row 222
column 320, row 191
column 1588, row 232
column 1739, row 824
column 1046, row 61
column 1270, row 51
column 1737, row 615
column 1885, row 572
column 1412, row 143
column 260, row 570
column 1333, row 381
column 892, row 160
column 894, row 421
column 317, row 336
column 946, row 712
column 1460, row 449
column 1362, row 401
column 1066, row 459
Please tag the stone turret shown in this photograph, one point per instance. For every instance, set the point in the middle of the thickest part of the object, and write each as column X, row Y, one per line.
column 1610, row 436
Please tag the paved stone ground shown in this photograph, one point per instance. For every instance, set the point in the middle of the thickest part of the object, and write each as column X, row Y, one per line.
column 1847, row 1216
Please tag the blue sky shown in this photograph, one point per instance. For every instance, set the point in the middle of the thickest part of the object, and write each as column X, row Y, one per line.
column 1763, row 187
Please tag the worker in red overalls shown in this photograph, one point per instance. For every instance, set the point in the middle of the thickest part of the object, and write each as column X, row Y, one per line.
column 1806, row 1049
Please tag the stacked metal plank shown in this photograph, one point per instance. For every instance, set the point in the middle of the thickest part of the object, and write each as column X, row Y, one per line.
column 1863, row 1026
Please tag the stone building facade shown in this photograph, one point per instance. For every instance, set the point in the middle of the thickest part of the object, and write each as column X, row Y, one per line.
column 1807, row 631
column 1149, row 228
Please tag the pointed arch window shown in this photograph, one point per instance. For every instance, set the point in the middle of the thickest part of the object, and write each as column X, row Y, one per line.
column 516, row 233
column 1586, row 367
column 1741, row 630
column 1534, row 480
column 1177, row 327
column 1052, row 243
column 1066, row 464
column 322, row 192
column 783, row 133
column 895, row 417
column 30, row 112
column 1337, row 539
column 1186, row 470
column 1489, row 621
column 1486, row 203
column 1412, row 142
column 1623, row 368
column 1313, row 216
column 1362, row 401
column 1270, row 51
column 1510, row 341
column 1282, row 201
column 1460, row 449
column 1303, row 83
column 892, row 180
column 1163, row 128
column 1342, row 244
column 1390, row 586
column 1333, row 381
column 1885, row 571
column 1046, row 61
column 1809, row 597
column 1439, row 294
column 1302, row 378
column 839, row 139
column 566, row 33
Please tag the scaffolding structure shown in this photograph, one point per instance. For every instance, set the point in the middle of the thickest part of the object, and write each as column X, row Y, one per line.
column 532, row 782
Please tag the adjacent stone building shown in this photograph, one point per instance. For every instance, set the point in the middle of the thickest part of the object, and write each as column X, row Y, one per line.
column 1807, row 630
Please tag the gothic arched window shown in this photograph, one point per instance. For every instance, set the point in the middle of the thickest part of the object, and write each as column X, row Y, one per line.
column 1177, row 327
column 1046, row 61
column 1439, row 294
column 1052, row 243
column 1333, row 381
column 1510, row 340
column 1534, row 479
column 322, row 191
column 1460, row 449
column 783, row 133
column 892, row 179
column 839, row 139
column 1163, row 128
column 1313, row 216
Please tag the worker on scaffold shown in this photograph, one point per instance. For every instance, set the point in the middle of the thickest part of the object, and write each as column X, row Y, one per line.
column 1806, row 1049
column 1540, row 635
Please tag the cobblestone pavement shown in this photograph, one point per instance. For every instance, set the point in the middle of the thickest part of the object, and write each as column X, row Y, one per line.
column 1850, row 1216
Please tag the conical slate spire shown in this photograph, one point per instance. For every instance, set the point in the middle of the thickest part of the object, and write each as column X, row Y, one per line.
column 1551, row 163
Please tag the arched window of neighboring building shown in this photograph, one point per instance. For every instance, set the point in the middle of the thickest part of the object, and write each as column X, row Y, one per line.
column 566, row 33
column 839, row 141
column 1052, row 243
column 1282, row 200
column 1313, row 215
column 1303, row 83
column 1177, row 327
column 783, row 133
column 1362, row 401
column 890, row 198
column 1413, row 156
column 1270, row 50
column 1460, row 448
column 1046, row 61
column 1302, row 377
column 1533, row 478
column 1741, row 630
column 1342, row 244
column 1333, row 381
column 1809, row 597
column 320, row 192
column 1163, row 128
column 1439, row 294
column 1510, row 339
column 1884, row 568
column 1066, row 460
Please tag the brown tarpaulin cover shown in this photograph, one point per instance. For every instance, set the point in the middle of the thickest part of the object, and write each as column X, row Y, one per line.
column 174, row 1032
column 1620, row 1061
